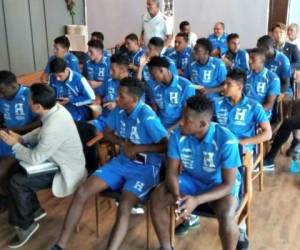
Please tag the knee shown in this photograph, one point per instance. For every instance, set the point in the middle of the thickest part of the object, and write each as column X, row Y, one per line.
column 226, row 217
column 17, row 181
column 160, row 198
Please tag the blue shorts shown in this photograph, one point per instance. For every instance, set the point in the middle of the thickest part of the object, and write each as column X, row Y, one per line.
column 189, row 185
column 121, row 173
column 5, row 150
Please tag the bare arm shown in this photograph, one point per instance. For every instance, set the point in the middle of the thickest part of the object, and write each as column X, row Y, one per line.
column 265, row 135
column 269, row 103
column 171, row 180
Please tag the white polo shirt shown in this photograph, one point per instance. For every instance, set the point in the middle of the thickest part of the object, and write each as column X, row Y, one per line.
column 158, row 26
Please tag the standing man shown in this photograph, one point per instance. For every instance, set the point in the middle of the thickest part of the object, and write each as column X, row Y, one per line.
column 156, row 24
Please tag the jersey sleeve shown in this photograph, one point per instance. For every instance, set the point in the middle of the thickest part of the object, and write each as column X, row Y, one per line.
column 86, row 94
column 173, row 147
column 222, row 72
column 274, row 88
column 230, row 156
column 286, row 68
column 111, row 120
column 260, row 114
column 154, row 128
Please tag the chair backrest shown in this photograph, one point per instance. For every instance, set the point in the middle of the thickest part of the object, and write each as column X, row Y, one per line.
column 87, row 132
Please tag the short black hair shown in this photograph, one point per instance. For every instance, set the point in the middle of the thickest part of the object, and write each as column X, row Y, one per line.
column 157, row 42
column 97, row 44
column 99, row 35
column 259, row 52
column 7, row 77
column 205, row 43
column 57, row 65
column 184, row 36
column 265, row 41
column 237, row 75
column 183, row 24
column 158, row 61
column 63, row 41
column 132, row 37
column 120, row 59
column 200, row 104
column 43, row 94
column 134, row 86
column 232, row 36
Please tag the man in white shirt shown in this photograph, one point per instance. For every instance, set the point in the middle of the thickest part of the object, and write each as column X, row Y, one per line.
column 156, row 24
column 293, row 36
column 185, row 27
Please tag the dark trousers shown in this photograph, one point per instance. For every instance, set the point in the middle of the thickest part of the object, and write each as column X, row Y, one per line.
column 23, row 201
column 283, row 134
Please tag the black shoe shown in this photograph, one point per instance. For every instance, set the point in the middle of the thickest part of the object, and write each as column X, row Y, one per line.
column 22, row 236
column 3, row 203
column 243, row 243
column 56, row 247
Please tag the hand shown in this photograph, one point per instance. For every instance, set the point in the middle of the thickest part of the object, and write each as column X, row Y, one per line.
column 129, row 150
column 144, row 60
column 95, row 84
column 10, row 138
column 203, row 91
column 131, row 66
column 110, row 105
column 180, row 72
column 243, row 142
column 63, row 100
column 186, row 206
column 227, row 62
column 215, row 53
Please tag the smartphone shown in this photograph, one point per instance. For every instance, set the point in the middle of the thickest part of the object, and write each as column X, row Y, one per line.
column 141, row 159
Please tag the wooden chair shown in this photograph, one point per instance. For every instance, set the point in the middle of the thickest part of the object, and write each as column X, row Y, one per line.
column 242, row 214
column 259, row 162
column 107, row 151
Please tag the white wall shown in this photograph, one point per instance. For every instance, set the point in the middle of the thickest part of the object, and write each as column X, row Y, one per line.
column 294, row 12
column 117, row 18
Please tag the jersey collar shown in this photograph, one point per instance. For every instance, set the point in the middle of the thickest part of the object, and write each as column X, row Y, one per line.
column 208, row 138
column 134, row 114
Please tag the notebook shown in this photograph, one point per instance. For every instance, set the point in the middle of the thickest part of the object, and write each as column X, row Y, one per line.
column 39, row 169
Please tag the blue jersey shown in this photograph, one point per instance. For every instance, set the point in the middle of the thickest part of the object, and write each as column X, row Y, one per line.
column 219, row 43
column 79, row 92
column 142, row 126
column 210, row 75
column 260, row 86
column 205, row 159
column 99, row 72
column 134, row 58
column 171, row 99
column 241, row 119
column 241, row 61
column 111, row 88
column 181, row 58
column 280, row 65
column 70, row 59
column 17, row 112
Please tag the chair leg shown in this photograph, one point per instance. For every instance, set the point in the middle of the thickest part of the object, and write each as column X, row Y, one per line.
column 97, row 216
column 148, row 225
column 172, row 226
column 78, row 228
column 261, row 175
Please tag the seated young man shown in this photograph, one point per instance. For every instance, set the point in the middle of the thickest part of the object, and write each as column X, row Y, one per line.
column 185, row 27
column 181, row 54
column 169, row 92
column 240, row 114
column 207, row 73
column 17, row 116
column 97, row 35
column 235, row 57
column 218, row 40
column 155, row 47
column 61, row 50
column 262, row 84
column 276, row 62
column 56, row 141
column 72, row 89
column 138, row 131
column 135, row 53
column 209, row 156
column 97, row 68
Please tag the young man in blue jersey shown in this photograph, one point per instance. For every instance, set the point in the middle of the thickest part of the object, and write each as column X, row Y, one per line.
column 135, row 53
column 262, row 84
column 218, row 40
column 155, row 47
column 181, row 54
column 235, row 57
column 72, row 89
column 97, row 68
column 207, row 73
column 208, row 157
column 61, row 50
column 240, row 114
column 135, row 127
column 276, row 61
column 16, row 116
column 169, row 92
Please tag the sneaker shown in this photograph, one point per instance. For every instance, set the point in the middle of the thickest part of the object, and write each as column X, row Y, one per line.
column 138, row 209
column 39, row 214
column 184, row 227
column 269, row 166
column 56, row 247
column 22, row 236
column 294, row 149
column 243, row 243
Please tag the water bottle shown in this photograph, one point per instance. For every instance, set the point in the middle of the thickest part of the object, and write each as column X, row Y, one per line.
column 294, row 168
